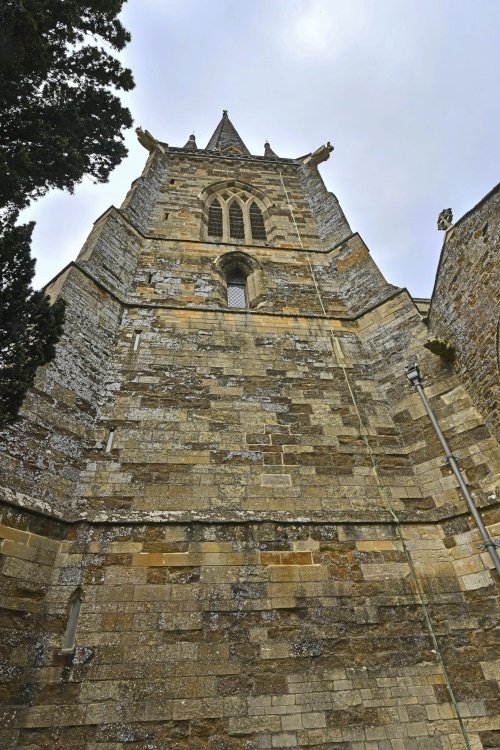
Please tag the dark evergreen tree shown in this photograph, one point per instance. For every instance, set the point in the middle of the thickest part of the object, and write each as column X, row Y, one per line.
column 59, row 117
column 59, row 120
column 29, row 325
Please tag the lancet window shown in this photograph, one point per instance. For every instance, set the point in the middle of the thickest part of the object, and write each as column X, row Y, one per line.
column 257, row 223
column 242, row 280
column 236, row 225
column 236, row 284
column 215, row 219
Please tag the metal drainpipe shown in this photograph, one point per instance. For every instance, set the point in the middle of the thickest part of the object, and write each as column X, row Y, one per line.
column 415, row 378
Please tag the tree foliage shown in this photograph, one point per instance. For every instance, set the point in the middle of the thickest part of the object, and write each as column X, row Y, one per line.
column 60, row 119
column 29, row 325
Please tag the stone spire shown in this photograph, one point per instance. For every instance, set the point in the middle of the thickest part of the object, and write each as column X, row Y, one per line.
column 226, row 138
column 268, row 152
column 191, row 144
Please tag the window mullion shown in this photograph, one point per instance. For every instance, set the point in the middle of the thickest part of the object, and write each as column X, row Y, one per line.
column 246, row 224
column 225, row 222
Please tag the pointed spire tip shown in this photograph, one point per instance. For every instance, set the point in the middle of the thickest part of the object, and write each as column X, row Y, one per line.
column 226, row 139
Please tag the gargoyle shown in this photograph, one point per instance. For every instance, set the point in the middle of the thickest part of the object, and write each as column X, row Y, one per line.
column 148, row 141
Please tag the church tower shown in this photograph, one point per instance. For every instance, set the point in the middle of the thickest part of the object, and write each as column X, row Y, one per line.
column 228, row 521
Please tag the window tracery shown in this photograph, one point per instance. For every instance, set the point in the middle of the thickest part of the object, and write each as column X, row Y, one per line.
column 235, row 214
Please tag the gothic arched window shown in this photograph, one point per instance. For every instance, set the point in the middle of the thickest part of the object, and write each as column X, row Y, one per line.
column 236, row 225
column 236, row 289
column 242, row 281
column 257, row 223
column 235, row 213
column 215, row 219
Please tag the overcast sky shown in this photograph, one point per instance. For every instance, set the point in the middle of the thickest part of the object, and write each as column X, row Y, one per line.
column 407, row 92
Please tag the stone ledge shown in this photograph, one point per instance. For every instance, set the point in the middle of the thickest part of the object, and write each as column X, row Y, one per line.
column 133, row 517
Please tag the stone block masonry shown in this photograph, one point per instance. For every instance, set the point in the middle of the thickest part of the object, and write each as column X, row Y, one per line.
column 466, row 303
column 250, row 503
column 250, row 634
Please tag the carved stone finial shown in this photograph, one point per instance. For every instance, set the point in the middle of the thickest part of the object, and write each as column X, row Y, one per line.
column 191, row 144
column 268, row 151
column 445, row 219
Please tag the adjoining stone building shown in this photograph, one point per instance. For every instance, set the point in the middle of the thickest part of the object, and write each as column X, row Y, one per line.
column 228, row 522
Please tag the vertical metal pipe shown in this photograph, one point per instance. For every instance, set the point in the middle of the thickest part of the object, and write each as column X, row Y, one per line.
column 413, row 375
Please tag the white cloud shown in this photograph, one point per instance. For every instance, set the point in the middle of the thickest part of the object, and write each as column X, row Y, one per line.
column 315, row 29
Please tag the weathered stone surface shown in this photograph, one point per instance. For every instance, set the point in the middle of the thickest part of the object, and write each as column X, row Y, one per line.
column 466, row 303
column 251, row 503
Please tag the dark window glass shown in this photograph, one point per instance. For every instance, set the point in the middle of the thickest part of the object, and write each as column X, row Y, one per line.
column 215, row 219
column 236, row 226
column 236, row 290
column 257, row 223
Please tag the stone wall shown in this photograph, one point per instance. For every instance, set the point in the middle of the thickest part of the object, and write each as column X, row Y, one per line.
column 257, row 413
column 465, row 306
column 43, row 454
column 29, row 546
column 249, row 636
column 333, row 226
column 110, row 253
column 395, row 335
column 171, row 190
column 360, row 283
column 187, row 274
column 145, row 192
column 270, row 549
